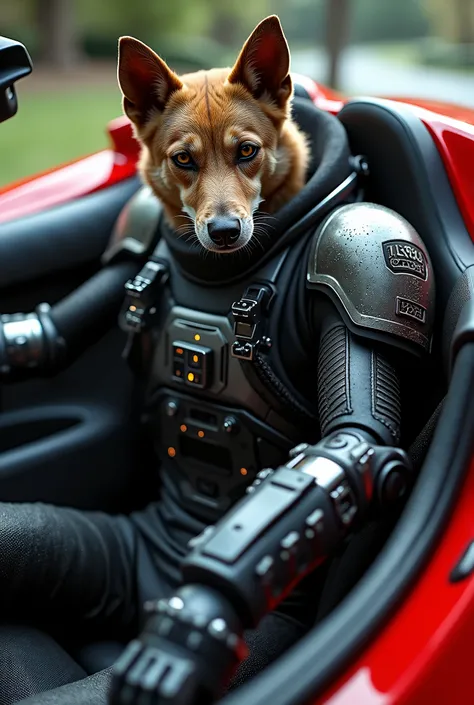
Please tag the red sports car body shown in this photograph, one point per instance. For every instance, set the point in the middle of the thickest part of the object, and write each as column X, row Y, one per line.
column 421, row 654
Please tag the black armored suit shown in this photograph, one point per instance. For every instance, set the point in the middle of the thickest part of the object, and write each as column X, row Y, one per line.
column 295, row 347
column 221, row 408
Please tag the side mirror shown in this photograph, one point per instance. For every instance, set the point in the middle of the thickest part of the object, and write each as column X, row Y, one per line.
column 15, row 63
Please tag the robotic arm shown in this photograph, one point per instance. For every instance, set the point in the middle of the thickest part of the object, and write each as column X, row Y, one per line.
column 377, row 297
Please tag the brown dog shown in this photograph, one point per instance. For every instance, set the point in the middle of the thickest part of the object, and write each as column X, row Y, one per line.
column 216, row 144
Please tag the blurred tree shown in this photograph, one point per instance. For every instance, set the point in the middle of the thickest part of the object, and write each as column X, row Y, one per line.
column 170, row 27
column 163, row 25
column 57, row 33
column 303, row 20
column 337, row 32
column 233, row 20
column 465, row 21
column 453, row 20
column 379, row 20
column 145, row 19
column 13, row 13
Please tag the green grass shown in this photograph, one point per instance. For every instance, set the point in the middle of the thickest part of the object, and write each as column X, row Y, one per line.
column 51, row 128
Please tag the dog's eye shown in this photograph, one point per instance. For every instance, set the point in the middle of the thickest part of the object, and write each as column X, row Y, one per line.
column 184, row 160
column 247, row 151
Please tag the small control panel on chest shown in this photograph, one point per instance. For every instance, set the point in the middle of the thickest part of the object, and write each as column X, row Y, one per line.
column 193, row 355
column 192, row 364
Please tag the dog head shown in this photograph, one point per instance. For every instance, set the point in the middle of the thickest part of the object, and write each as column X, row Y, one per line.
column 213, row 142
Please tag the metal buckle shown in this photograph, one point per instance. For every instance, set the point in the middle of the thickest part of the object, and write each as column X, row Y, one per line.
column 249, row 318
column 141, row 296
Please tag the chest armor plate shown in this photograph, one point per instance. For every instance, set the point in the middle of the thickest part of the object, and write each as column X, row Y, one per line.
column 211, row 430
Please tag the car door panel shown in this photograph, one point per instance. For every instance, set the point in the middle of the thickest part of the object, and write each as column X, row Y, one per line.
column 72, row 438
column 62, row 238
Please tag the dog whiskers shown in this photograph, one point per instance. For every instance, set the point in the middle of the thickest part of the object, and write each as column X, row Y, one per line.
column 260, row 235
column 247, row 249
column 185, row 215
column 184, row 229
column 262, row 220
column 255, row 242
column 187, row 235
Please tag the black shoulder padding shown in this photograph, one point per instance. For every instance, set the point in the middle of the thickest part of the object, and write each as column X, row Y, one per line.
column 136, row 231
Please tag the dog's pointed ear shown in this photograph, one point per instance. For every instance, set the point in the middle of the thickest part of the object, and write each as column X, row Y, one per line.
column 263, row 65
column 144, row 79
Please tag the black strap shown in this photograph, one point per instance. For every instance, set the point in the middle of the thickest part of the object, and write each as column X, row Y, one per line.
column 420, row 445
column 250, row 316
column 276, row 394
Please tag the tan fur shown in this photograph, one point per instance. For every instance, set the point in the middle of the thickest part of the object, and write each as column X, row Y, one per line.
column 208, row 114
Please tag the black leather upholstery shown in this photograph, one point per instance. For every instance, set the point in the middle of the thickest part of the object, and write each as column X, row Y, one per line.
column 97, row 655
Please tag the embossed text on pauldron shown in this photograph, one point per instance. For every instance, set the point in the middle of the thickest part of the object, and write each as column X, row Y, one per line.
column 404, row 257
column 410, row 309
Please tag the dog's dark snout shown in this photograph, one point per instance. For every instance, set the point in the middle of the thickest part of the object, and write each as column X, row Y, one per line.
column 224, row 232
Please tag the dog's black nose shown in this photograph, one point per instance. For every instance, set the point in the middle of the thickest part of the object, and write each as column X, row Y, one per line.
column 224, row 232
